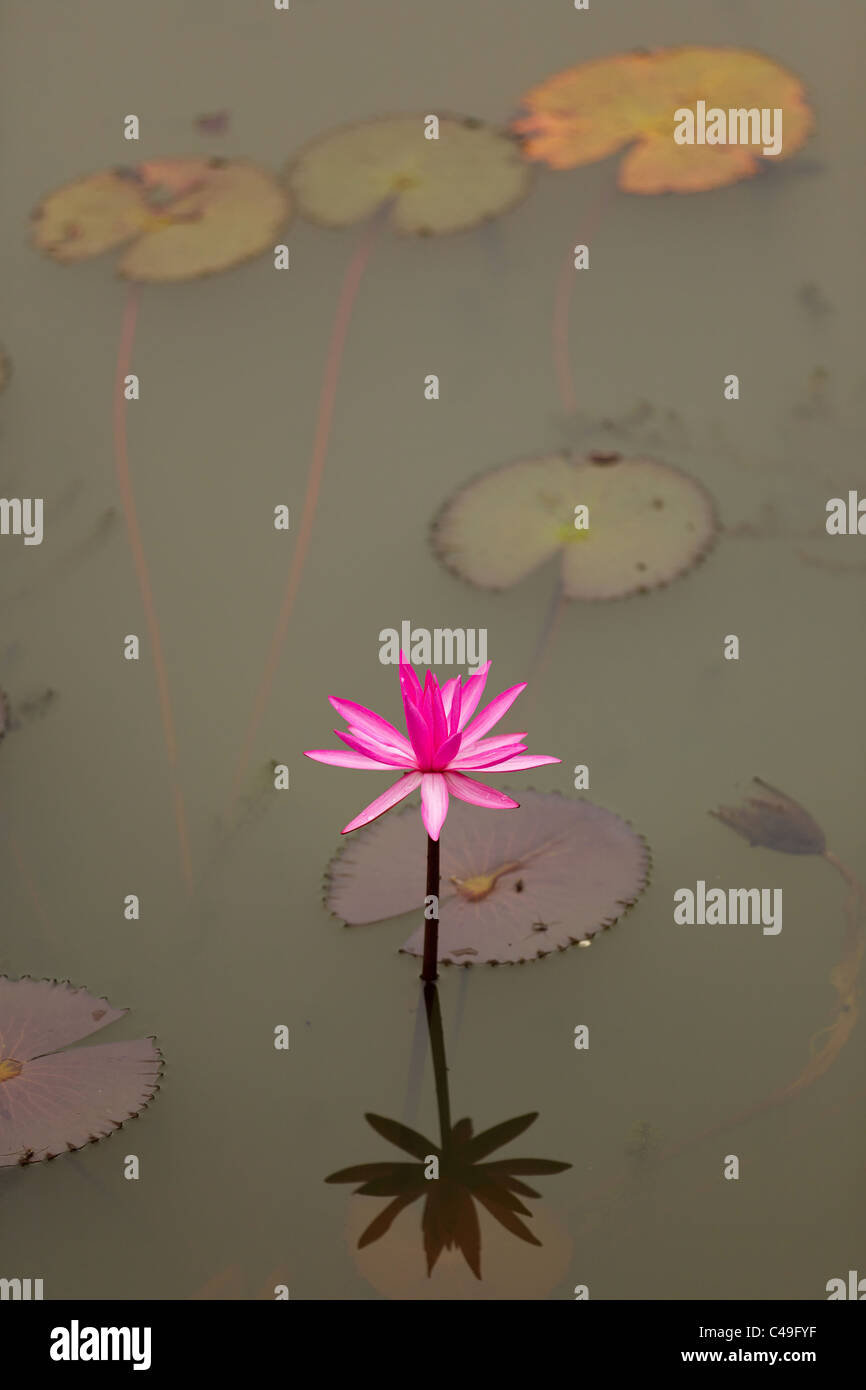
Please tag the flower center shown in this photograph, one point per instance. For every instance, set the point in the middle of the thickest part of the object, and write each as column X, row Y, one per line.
column 9, row 1067
column 482, row 885
column 401, row 183
column 476, row 888
column 569, row 535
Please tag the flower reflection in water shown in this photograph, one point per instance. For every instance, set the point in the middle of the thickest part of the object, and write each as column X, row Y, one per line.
column 457, row 1182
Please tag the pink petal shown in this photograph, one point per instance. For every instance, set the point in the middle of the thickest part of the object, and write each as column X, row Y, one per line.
column 493, row 712
column 372, row 749
column 483, row 746
column 476, row 793
column 370, row 723
column 338, row 758
column 425, row 709
column 473, row 689
column 518, row 764
column 448, row 690
column 447, row 751
column 455, row 710
column 406, row 785
column 438, row 721
column 434, row 803
column 468, row 761
column 419, row 735
column 403, row 751
column 410, row 686
column 487, row 745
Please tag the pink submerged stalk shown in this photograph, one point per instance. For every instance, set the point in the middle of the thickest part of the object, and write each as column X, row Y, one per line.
column 444, row 743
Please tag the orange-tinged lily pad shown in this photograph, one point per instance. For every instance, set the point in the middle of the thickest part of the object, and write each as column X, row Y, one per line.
column 184, row 217
column 646, row 524
column 589, row 112
column 472, row 172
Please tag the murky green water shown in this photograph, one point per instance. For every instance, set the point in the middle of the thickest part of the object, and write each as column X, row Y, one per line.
column 688, row 1026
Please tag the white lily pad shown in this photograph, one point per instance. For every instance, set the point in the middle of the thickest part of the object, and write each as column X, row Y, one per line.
column 514, row 887
column 52, row 1100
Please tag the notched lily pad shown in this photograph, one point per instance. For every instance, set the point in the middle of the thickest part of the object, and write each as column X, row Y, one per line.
column 648, row 523
column 471, row 173
column 90, row 216
column 513, row 888
column 589, row 112
column 50, row 1100
column 184, row 217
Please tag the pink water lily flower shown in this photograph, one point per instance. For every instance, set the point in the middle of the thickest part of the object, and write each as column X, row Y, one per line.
column 445, row 742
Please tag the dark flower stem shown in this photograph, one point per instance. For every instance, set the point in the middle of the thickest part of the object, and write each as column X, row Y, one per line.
column 429, row 970
column 440, row 1065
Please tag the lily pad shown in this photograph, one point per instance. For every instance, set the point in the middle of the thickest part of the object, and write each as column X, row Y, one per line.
column 513, row 888
column 184, row 217
column 90, row 216
column 589, row 112
column 52, row 1101
column 648, row 523
column 472, row 172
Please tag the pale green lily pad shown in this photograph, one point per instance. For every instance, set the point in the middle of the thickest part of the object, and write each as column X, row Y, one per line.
column 472, row 172
column 648, row 523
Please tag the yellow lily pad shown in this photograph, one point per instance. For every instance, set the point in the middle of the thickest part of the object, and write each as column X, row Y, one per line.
column 220, row 213
column 184, row 217
column 90, row 216
column 589, row 112
column 645, row 524
column 472, row 172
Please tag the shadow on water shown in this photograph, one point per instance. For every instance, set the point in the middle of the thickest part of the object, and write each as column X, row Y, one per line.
column 459, row 1188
